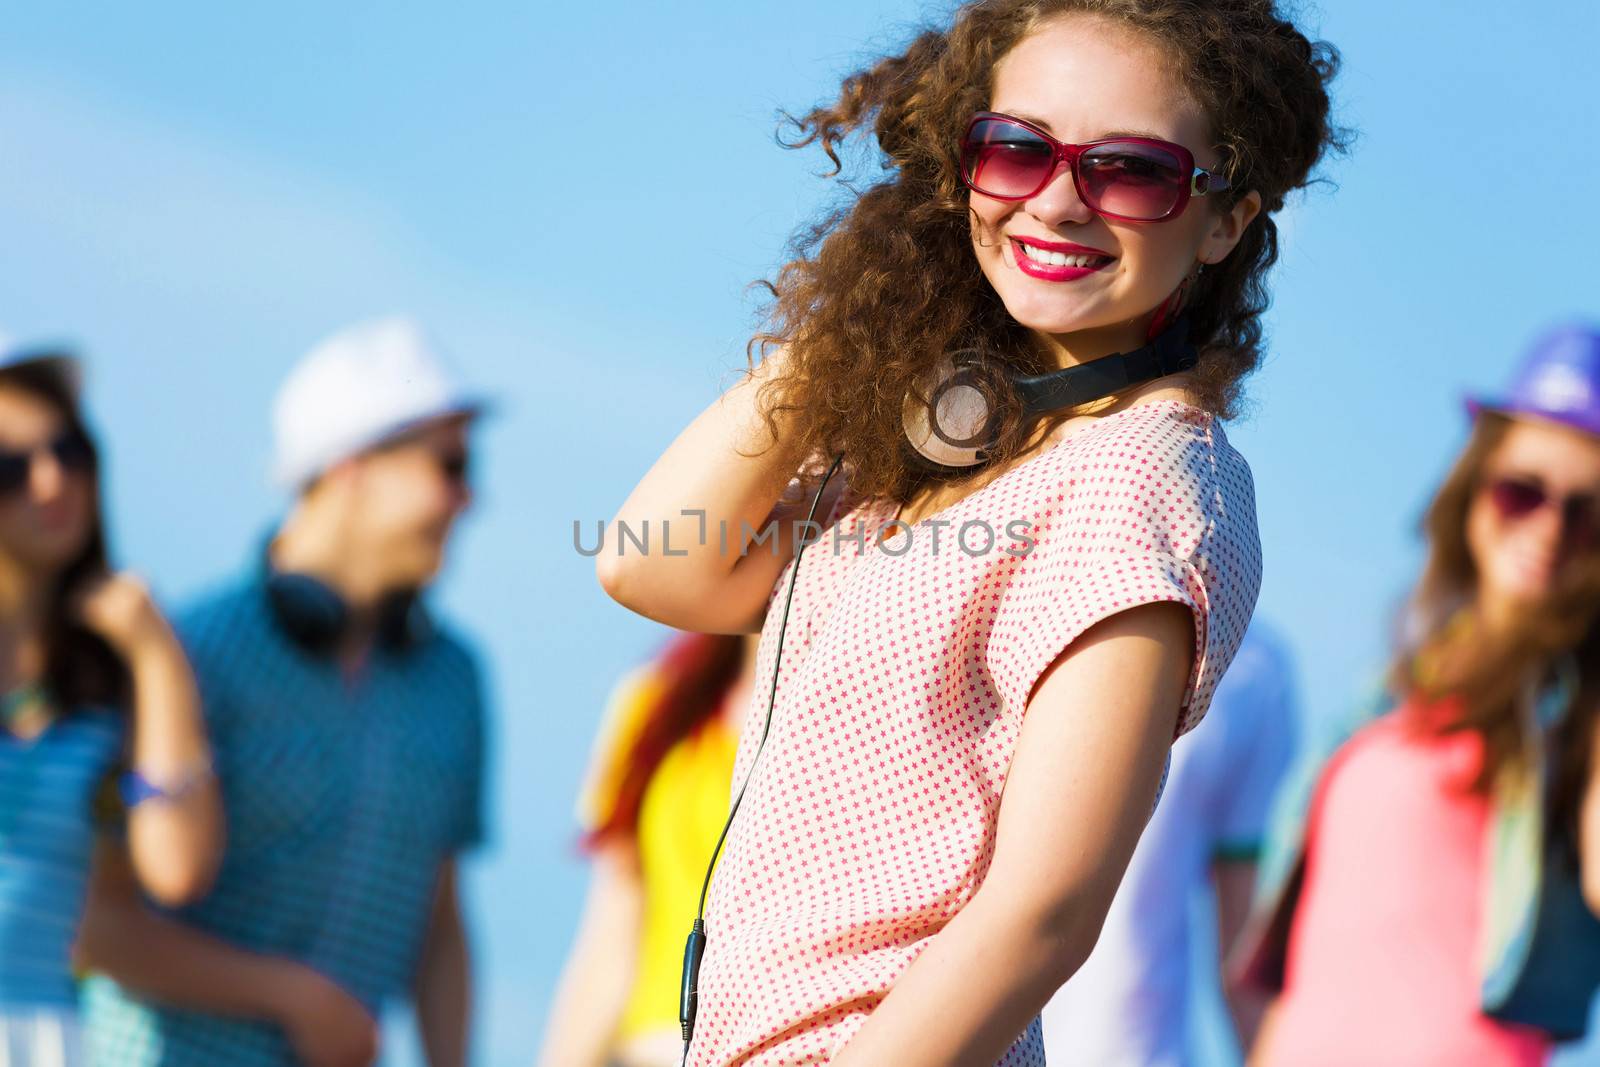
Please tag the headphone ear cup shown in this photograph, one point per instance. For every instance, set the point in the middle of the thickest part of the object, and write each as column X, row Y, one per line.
column 402, row 622
column 952, row 420
column 310, row 613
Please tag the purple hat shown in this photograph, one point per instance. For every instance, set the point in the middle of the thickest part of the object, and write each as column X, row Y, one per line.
column 1559, row 380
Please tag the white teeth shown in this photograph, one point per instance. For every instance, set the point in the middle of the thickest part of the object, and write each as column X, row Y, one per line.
column 1056, row 259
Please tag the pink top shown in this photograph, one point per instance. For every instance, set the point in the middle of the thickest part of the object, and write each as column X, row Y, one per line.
column 1380, row 967
column 906, row 667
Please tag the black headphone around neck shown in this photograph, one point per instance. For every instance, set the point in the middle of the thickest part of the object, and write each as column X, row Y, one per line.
column 313, row 615
column 959, row 419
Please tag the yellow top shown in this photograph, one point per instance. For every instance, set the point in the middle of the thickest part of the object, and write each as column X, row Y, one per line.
column 681, row 813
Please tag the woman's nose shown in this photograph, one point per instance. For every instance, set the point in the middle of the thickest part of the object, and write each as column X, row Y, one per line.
column 1546, row 528
column 47, row 478
column 1059, row 201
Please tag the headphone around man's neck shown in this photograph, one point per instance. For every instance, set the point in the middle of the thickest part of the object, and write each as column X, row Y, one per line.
column 313, row 614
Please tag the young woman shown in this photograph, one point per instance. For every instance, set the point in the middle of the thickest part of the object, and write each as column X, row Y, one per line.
column 80, row 648
column 1419, row 899
column 1062, row 179
column 652, row 807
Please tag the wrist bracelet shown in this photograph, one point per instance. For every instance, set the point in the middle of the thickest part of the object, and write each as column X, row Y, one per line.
column 136, row 788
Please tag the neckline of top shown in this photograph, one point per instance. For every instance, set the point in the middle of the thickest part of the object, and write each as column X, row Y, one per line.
column 894, row 510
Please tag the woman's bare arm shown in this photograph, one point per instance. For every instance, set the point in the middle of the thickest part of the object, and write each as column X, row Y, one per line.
column 1080, row 788
column 707, row 572
column 581, row 1030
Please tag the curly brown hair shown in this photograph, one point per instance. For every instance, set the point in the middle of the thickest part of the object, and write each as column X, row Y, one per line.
column 879, row 288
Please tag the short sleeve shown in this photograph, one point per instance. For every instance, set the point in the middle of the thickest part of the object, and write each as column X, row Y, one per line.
column 471, row 827
column 211, row 637
column 1258, row 706
column 1146, row 519
column 627, row 712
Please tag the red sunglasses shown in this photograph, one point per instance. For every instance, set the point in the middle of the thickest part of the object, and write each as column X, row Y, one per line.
column 1516, row 497
column 1134, row 179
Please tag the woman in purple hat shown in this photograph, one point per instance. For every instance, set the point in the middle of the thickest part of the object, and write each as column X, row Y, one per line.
column 92, row 681
column 1433, row 899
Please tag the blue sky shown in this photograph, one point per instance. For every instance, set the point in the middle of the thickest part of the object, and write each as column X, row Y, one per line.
column 198, row 192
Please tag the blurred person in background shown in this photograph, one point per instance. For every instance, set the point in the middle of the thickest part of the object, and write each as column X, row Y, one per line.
column 1430, row 898
column 348, row 727
column 1132, row 1002
column 651, row 809
column 95, row 692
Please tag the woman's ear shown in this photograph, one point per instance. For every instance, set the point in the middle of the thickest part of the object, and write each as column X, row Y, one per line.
column 1228, row 227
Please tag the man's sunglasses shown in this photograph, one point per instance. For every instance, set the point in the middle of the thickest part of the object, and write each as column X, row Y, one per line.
column 1134, row 179
column 1517, row 497
column 454, row 464
column 70, row 449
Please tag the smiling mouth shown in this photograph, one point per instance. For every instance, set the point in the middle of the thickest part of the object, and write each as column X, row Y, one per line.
column 1046, row 258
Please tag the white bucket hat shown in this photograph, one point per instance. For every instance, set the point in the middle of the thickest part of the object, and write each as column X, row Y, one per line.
column 54, row 358
column 365, row 384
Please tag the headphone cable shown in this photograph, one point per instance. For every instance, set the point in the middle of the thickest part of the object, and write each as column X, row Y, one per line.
column 695, row 948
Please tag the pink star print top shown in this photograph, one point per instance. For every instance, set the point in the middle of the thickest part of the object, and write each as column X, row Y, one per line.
column 871, row 817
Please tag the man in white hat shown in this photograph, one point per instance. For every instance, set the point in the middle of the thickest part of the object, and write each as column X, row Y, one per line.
column 348, row 730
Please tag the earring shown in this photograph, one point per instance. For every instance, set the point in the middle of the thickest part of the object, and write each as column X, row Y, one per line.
column 1173, row 305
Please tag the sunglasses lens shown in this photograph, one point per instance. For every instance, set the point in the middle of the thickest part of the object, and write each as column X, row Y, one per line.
column 455, row 467
column 1514, row 498
column 1004, row 159
column 1578, row 519
column 73, row 452
column 1132, row 180
column 14, row 467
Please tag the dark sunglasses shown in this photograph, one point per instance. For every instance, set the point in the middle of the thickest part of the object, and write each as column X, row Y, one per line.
column 70, row 449
column 1134, row 179
column 454, row 464
column 1516, row 497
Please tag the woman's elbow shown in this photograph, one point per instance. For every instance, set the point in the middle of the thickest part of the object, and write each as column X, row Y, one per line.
column 177, row 876
column 613, row 574
column 174, row 885
column 1067, row 930
column 625, row 581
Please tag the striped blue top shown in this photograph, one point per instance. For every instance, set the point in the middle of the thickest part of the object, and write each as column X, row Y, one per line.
column 342, row 800
column 47, row 786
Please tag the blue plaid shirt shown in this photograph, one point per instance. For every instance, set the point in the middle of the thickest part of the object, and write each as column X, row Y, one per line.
column 343, row 801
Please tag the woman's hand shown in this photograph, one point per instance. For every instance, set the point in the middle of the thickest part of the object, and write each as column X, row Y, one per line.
column 175, row 841
column 676, row 551
column 119, row 609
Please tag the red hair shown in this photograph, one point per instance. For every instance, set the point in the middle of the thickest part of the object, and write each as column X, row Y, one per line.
column 696, row 671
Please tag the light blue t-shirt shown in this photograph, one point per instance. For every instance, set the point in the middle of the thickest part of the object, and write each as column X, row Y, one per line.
column 47, row 788
column 343, row 801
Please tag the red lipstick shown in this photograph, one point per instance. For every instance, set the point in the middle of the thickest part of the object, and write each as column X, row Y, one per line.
column 1054, row 272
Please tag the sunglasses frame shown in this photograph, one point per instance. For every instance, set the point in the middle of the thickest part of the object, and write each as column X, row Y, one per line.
column 455, row 468
column 1201, row 181
column 60, row 448
column 1578, row 512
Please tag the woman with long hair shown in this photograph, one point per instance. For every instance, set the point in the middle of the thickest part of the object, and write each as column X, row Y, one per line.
column 1426, row 903
column 93, row 682
column 1000, row 372
column 652, row 805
